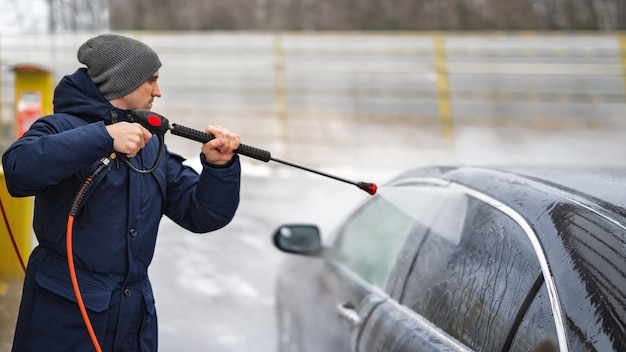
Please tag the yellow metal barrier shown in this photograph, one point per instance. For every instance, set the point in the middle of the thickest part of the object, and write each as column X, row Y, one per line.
column 443, row 87
column 19, row 212
column 622, row 45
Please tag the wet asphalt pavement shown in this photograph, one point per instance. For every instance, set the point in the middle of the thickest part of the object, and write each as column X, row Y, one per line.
column 215, row 292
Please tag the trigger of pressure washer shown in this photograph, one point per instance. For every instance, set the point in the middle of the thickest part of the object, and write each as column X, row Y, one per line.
column 158, row 124
column 153, row 122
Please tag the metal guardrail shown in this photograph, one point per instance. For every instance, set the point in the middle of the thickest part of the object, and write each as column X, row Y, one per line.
column 445, row 80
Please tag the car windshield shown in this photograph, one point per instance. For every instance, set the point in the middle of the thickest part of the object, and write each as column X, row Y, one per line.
column 370, row 240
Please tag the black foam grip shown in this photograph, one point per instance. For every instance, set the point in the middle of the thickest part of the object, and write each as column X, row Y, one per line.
column 191, row 133
column 203, row 137
column 255, row 153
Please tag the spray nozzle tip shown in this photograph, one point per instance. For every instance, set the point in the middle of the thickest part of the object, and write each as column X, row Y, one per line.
column 370, row 188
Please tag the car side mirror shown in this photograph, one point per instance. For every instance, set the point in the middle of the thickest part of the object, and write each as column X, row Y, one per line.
column 298, row 239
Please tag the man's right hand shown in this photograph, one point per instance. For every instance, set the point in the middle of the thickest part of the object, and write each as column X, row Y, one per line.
column 128, row 138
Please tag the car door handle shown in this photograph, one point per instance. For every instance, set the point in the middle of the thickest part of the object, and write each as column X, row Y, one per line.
column 348, row 313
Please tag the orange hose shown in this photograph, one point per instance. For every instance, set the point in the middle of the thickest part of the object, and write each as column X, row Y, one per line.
column 79, row 298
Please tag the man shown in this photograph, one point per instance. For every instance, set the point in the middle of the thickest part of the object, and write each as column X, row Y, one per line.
column 115, row 229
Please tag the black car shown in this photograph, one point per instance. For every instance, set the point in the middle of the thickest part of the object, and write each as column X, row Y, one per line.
column 463, row 258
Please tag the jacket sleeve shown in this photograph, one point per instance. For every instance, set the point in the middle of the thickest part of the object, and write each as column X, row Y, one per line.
column 48, row 153
column 202, row 203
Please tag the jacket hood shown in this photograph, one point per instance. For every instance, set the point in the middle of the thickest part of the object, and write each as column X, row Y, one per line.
column 78, row 95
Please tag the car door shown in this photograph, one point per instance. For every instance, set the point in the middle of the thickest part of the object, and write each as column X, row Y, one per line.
column 464, row 290
column 355, row 270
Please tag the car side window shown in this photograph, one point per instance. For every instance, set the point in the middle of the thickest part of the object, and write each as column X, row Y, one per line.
column 475, row 287
column 369, row 241
column 537, row 330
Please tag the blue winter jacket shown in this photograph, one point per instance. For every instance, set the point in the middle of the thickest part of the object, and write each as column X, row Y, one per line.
column 115, row 229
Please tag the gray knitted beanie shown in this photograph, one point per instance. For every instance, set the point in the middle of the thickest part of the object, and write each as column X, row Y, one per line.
column 118, row 65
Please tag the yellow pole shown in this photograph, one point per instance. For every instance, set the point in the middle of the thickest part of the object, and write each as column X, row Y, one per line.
column 33, row 99
column 622, row 45
column 443, row 86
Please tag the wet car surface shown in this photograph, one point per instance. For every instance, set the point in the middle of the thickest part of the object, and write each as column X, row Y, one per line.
column 463, row 258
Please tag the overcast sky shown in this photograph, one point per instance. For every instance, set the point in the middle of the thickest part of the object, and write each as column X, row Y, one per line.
column 23, row 16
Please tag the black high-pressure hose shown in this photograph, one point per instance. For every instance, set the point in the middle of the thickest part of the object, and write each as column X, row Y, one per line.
column 78, row 199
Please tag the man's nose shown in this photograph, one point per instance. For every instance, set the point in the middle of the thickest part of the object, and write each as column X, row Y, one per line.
column 156, row 92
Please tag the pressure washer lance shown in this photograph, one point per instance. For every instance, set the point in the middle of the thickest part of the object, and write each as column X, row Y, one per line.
column 159, row 125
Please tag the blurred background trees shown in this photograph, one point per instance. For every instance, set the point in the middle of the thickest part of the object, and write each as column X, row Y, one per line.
column 77, row 14
column 602, row 15
column 367, row 14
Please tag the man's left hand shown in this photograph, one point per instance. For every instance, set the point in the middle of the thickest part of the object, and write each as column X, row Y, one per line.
column 221, row 149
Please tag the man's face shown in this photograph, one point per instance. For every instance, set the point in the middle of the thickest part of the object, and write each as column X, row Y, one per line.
column 140, row 98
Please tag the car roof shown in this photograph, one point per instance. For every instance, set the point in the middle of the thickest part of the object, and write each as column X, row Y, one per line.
column 606, row 185
column 597, row 187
